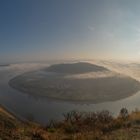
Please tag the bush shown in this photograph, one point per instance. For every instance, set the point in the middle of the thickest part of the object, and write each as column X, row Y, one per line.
column 52, row 130
column 104, row 116
column 37, row 136
column 124, row 113
column 73, row 116
column 70, row 128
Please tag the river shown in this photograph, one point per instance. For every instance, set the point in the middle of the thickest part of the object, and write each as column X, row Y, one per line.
column 43, row 110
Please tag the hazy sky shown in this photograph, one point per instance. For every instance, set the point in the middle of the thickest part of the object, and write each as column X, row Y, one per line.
column 65, row 29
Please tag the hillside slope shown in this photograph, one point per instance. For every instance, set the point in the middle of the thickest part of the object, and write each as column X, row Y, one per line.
column 125, row 127
column 12, row 128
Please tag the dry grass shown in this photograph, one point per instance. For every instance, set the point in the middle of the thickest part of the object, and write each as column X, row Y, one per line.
column 75, row 126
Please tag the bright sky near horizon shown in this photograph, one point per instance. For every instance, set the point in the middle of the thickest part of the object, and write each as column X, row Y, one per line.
column 64, row 29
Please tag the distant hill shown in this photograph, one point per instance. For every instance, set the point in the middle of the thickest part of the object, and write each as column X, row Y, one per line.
column 75, row 68
column 59, row 85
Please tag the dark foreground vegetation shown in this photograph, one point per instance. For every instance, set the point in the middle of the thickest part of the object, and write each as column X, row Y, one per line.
column 75, row 126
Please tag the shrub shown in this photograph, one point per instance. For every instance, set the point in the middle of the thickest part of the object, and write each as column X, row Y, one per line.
column 52, row 130
column 73, row 116
column 71, row 128
column 104, row 116
column 37, row 136
column 124, row 113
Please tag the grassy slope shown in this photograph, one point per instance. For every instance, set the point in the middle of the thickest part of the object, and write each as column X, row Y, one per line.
column 13, row 129
column 113, row 129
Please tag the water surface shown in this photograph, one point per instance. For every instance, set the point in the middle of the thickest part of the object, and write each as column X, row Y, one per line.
column 42, row 109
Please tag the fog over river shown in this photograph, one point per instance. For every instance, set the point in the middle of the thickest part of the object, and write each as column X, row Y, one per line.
column 42, row 109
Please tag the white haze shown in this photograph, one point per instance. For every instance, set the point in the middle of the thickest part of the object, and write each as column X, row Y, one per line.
column 128, row 69
column 91, row 75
